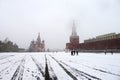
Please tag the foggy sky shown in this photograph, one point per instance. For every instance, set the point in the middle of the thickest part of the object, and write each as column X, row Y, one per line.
column 22, row 20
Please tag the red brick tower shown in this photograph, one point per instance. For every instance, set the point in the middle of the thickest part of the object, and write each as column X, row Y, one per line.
column 74, row 39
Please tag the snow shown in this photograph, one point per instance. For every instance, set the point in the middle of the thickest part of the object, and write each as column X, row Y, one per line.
column 60, row 65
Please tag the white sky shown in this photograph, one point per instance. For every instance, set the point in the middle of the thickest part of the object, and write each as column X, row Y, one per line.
column 22, row 20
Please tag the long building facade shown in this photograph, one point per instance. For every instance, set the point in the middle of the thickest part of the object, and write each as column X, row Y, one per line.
column 109, row 41
column 102, row 42
column 38, row 45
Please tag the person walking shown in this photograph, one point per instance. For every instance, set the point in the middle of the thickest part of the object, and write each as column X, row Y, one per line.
column 77, row 52
column 71, row 53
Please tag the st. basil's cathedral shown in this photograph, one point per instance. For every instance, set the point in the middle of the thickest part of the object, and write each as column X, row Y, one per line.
column 38, row 45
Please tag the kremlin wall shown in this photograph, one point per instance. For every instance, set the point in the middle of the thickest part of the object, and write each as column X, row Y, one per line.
column 109, row 42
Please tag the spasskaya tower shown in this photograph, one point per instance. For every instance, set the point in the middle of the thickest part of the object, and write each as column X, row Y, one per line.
column 74, row 39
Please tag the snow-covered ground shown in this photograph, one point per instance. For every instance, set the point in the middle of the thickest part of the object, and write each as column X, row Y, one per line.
column 59, row 66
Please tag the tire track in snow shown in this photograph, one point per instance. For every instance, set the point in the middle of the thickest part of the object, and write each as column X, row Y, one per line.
column 4, row 57
column 39, row 66
column 101, row 70
column 108, row 72
column 81, row 72
column 19, row 71
column 9, row 66
column 71, row 70
column 68, row 72
column 49, row 71
column 4, row 69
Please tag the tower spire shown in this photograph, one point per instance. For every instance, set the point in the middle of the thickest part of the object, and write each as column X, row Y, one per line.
column 74, row 33
column 38, row 38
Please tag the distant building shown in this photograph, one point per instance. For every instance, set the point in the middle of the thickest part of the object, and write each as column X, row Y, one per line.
column 109, row 41
column 74, row 39
column 103, row 37
column 38, row 45
column 102, row 42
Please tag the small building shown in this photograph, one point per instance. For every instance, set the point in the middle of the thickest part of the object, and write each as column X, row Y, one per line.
column 38, row 45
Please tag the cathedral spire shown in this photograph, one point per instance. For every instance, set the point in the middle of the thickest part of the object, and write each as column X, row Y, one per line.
column 38, row 38
column 74, row 33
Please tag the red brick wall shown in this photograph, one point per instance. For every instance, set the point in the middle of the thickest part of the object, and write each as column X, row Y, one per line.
column 105, row 44
column 74, row 40
column 98, row 45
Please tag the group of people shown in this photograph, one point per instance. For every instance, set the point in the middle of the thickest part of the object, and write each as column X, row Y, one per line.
column 110, row 52
column 74, row 52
